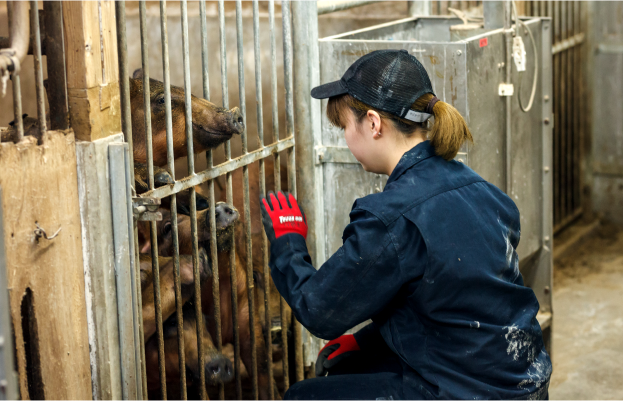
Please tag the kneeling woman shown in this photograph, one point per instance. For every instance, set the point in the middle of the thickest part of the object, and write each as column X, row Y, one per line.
column 431, row 260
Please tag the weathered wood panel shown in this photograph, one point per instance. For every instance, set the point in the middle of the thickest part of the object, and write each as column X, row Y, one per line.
column 39, row 185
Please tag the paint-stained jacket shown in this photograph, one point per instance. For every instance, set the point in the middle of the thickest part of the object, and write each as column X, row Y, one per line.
column 432, row 261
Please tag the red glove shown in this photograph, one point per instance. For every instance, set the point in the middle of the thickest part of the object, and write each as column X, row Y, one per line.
column 335, row 351
column 281, row 215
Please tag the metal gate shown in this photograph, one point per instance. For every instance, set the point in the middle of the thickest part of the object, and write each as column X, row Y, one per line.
column 209, row 176
column 568, row 36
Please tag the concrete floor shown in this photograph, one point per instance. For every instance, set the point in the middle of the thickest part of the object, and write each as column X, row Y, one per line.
column 588, row 319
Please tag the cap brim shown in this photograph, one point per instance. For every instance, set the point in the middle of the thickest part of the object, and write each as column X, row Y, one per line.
column 329, row 90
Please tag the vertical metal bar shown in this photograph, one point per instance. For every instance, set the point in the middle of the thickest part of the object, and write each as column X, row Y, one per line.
column 150, row 169
column 556, row 98
column 568, row 110
column 146, row 92
column 158, row 306
column 193, row 203
column 17, row 94
column 262, row 185
column 124, row 78
column 139, row 353
column 508, row 77
column 55, row 54
column 275, row 131
column 174, row 226
column 218, row 338
column 562, row 112
column 289, row 106
column 36, row 35
column 288, row 81
column 125, row 281
column 246, row 201
column 229, row 193
column 577, row 110
column 204, row 50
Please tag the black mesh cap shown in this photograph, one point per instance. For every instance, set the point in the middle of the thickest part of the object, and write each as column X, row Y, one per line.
column 389, row 80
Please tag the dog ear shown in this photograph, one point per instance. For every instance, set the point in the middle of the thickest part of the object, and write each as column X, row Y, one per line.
column 138, row 73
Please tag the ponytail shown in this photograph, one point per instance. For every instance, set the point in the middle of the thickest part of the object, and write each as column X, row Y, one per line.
column 447, row 135
column 449, row 130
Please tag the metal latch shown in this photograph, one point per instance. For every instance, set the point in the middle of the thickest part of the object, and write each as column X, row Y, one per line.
column 146, row 209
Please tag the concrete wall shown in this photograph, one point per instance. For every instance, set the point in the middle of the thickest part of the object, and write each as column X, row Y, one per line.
column 606, row 83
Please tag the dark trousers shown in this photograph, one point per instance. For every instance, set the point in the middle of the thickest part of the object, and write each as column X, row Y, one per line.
column 363, row 376
column 367, row 376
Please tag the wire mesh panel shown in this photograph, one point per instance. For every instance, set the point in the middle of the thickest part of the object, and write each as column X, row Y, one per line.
column 207, row 297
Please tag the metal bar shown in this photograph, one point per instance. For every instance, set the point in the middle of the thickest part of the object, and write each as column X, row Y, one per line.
column 158, row 306
column 556, row 112
column 152, row 224
column 124, row 78
column 16, row 28
column 126, row 310
column 218, row 338
column 508, row 77
column 564, row 151
column 331, row 6
column 217, row 171
column 193, row 203
column 282, row 303
column 141, row 378
column 246, row 201
column 204, row 50
column 577, row 112
column 565, row 44
column 19, row 38
column 567, row 220
column 569, row 110
column 36, row 34
column 275, row 131
column 229, row 194
column 146, row 92
column 174, row 227
column 260, row 133
column 234, row 294
column 55, row 54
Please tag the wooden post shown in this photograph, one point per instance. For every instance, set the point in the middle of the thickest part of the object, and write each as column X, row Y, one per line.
column 92, row 68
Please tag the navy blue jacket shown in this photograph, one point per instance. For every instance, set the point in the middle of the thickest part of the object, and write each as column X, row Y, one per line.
column 432, row 261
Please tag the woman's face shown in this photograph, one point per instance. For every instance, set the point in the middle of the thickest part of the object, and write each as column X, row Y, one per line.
column 363, row 143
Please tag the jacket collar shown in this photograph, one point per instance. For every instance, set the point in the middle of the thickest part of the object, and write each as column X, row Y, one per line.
column 421, row 151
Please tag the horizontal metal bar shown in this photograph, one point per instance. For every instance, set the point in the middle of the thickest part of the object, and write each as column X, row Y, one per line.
column 609, row 48
column 568, row 43
column 334, row 154
column 331, row 6
column 219, row 170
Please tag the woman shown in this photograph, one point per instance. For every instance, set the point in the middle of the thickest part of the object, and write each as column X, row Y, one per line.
column 431, row 260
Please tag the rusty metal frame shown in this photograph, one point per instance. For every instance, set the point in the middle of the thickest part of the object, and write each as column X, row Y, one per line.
column 211, row 173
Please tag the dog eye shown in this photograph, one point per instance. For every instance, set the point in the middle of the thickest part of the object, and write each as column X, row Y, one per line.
column 161, row 100
column 167, row 228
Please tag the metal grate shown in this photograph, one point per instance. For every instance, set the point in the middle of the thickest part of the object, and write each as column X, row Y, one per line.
column 569, row 118
column 209, row 176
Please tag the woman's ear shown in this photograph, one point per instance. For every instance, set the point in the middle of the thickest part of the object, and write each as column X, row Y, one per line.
column 374, row 124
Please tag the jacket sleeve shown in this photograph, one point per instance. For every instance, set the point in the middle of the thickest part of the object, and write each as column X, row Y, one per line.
column 356, row 283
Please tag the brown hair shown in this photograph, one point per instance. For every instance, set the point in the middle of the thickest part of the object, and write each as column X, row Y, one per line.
column 448, row 133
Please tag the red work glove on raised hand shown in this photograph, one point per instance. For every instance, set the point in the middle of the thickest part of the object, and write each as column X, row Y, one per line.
column 281, row 215
column 334, row 352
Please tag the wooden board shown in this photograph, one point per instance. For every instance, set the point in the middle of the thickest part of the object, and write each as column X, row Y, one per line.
column 39, row 184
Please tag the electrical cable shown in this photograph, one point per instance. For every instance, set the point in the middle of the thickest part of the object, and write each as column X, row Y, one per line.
column 536, row 65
